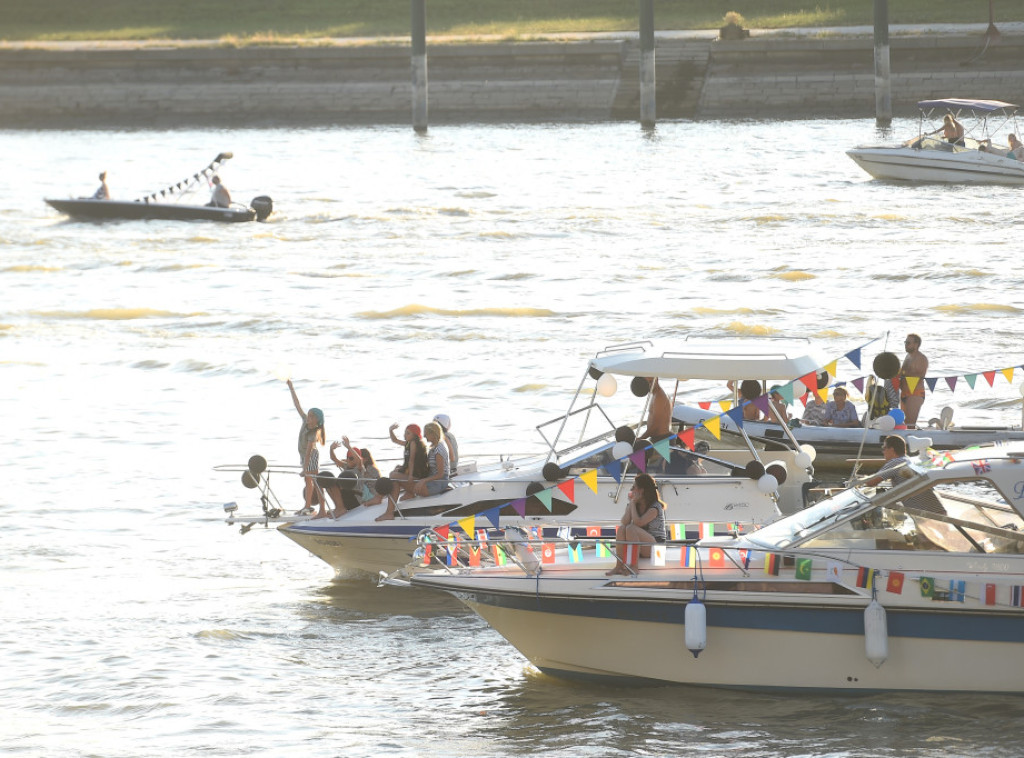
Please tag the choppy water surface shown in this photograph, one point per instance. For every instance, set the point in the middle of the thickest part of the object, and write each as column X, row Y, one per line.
column 470, row 271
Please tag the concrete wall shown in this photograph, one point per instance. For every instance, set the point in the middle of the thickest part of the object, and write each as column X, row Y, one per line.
column 538, row 81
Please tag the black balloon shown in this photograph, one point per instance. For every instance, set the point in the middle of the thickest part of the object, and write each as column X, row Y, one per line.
column 249, row 481
column 778, row 471
column 595, row 373
column 750, row 389
column 382, row 486
column 552, row 471
column 257, row 465
column 755, row 470
column 886, row 365
column 625, row 434
column 640, row 386
column 822, row 380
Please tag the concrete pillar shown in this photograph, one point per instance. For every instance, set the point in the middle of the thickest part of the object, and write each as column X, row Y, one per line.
column 648, row 104
column 883, row 77
column 419, row 65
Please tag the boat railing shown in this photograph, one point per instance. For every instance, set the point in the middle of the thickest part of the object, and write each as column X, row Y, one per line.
column 582, row 442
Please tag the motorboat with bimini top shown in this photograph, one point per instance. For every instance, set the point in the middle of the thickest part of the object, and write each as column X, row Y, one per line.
column 988, row 152
column 839, row 450
column 170, row 204
column 918, row 587
column 582, row 477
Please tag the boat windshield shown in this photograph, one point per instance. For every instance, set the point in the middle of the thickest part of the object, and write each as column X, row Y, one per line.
column 800, row 526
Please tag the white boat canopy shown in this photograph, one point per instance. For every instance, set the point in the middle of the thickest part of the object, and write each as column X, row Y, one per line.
column 958, row 104
column 713, row 360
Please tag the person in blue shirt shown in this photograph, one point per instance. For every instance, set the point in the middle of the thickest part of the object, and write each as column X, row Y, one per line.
column 839, row 411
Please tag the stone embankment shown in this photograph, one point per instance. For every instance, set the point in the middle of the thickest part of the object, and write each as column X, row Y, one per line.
column 578, row 80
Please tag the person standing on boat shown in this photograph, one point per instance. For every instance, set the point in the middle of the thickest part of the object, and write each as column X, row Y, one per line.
column 103, row 193
column 915, row 365
column 642, row 525
column 952, row 130
column 311, row 433
column 220, row 198
column 449, row 439
column 659, row 414
column 839, row 411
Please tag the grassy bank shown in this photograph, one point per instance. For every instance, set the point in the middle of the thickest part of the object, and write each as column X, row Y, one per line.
column 25, row 20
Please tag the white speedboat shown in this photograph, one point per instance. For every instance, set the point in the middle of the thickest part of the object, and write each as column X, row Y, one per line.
column 983, row 157
column 584, row 475
column 915, row 588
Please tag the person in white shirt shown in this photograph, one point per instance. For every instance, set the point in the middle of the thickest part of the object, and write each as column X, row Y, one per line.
column 221, row 198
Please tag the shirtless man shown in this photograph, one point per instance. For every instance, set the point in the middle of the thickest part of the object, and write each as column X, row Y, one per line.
column 659, row 415
column 914, row 365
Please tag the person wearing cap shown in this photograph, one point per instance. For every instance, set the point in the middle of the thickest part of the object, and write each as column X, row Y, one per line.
column 839, row 411
column 449, row 438
column 311, row 433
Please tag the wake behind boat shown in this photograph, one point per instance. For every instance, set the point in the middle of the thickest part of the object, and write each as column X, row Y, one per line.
column 984, row 154
column 156, row 206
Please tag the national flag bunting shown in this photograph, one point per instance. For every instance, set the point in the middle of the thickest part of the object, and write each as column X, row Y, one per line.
column 688, row 557
column 716, row 557
column 895, row 583
column 706, row 530
column 990, row 594
column 547, row 554
column 500, row 558
column 866, row 578
column 927, row 586
column 772, row 564
column 575, row 553
column 474, row 556
column 803, row 569
column 593, row 531
column 658, row 555
column 1017, row 596
column 957, row 590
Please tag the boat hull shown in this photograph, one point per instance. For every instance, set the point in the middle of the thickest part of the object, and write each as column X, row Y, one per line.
column 931, row 165
column 796, row 644
column 107, row 210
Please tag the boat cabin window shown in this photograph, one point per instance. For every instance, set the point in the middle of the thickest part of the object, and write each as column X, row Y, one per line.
column 964, row 516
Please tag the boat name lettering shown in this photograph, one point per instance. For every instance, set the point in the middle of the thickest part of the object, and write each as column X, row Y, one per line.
column 1018, row 491
column 735, row 506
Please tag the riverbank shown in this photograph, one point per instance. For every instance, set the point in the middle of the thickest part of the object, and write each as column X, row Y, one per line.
column 566, row 78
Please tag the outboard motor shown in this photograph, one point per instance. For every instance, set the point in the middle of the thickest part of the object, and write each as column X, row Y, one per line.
column 263, row 206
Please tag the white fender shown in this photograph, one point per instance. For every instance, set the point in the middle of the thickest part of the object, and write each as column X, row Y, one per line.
column 695, row 619
column 876, row 633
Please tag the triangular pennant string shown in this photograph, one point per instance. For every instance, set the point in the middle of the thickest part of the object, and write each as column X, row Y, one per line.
column 639, row 459
column 705, row 405
column 589, row 478
column 830, row 368
column 687, row 437
column 468, row 524
column 725, row 405
column 714, row 425
column 1008, row 373
column 761, row 403
column 931, row 382
column 990, row 377
column 614, row 469
column 971, row 379
column 736, row 414
column 859, row 384
column 823, row 394
column 810, row 381
column 545, row 498
column 912, row 382
column 568, row 489
column 854, row 357
column 664, row 448
column 951, row 381
column 786, row 390
column 493, row 515
column 519, row 506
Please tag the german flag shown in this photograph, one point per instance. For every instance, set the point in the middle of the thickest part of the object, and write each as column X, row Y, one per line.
column 772, row 563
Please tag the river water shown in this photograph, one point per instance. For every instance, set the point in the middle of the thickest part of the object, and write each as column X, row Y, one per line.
column 470, row 271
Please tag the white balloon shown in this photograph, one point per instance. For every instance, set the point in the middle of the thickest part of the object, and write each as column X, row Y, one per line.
column 885, row 423
column 802, row 460
column 621, row 450
column 607, row 385
column 767, row 483
column 810, row 451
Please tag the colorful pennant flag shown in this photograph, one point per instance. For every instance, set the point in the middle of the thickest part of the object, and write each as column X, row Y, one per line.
column 427, row 551
column 593, row 531
column 631, row 555
column 589, row 478
column 519, row 506
column 714, row 425
column 474, row 555
column 687, row 437
column 545, row 498
column 688, row 557
column 716, row 557
column 706, row 530
column 493, row 515
column 639, row 459
column 468, row 524
column 500, row 558
column 614, row 469
column 663, row 448
column 568, row 488
column 677, row 531
column 772, row 564
column 603, row 549
column 744, row 555
column 575, row 553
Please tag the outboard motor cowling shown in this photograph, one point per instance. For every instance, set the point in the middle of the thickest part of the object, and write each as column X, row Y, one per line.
column 263, row 206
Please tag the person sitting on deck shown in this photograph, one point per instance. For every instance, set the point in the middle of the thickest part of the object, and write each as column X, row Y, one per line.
column 840, row 412
column 220, row 198
column 642, row 525
column 103, row 193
